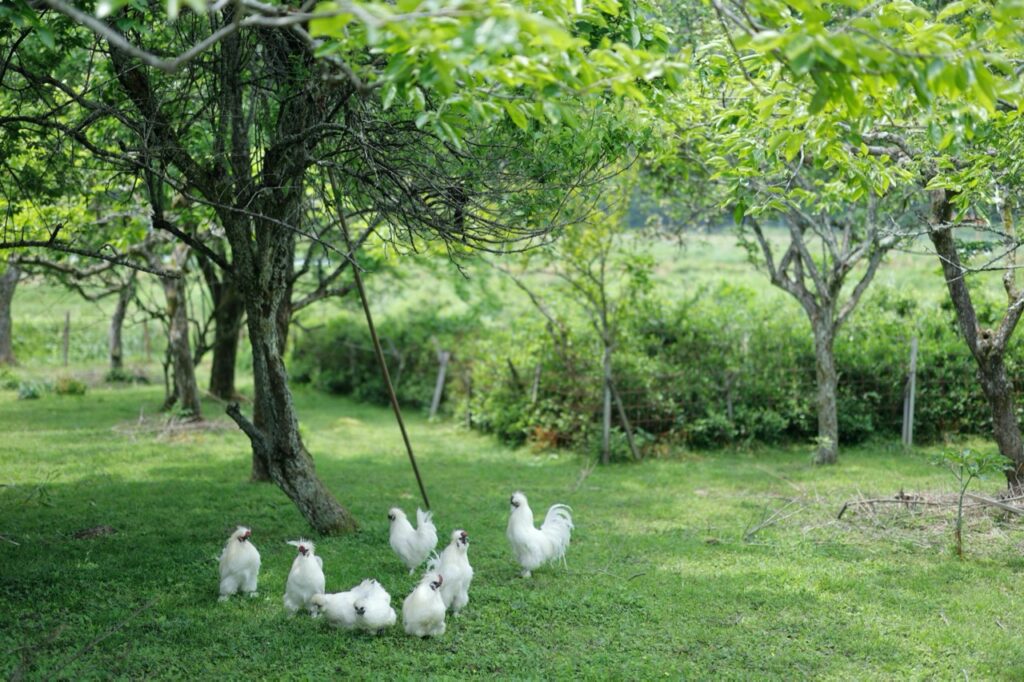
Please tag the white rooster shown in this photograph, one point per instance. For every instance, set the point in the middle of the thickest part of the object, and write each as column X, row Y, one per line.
column 453, row 565
column 305, row 579
column 239, row 565
column 367, row 606
column 413, row 546
column 423, row 610
column 534, row 547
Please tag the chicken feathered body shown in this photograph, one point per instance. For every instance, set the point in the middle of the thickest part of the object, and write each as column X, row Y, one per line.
column 423, row 610
column 412, row 545
column 536, row 546
column 367, row 606
column 239, row 564
column 305, row 580
column 453, row 565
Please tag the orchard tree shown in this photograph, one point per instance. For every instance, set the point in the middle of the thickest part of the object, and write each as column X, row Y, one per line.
column 468, row 125
column 934, row 91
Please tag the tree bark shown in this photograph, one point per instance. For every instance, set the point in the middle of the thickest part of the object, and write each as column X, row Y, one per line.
column 124, row 297
column 827, row 451
column 8, row 282
column 228, row 311
column 986, row 346
column 185, row 392
column 277, row 444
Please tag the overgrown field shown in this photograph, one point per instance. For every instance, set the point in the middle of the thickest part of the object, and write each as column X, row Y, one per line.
column 660, row 580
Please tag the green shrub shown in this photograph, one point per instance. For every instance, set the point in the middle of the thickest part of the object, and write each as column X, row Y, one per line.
column 30, row 390
column 124, row 376
column 719, row 367
column 339, row 357
column 9, row 381
column 69, row 386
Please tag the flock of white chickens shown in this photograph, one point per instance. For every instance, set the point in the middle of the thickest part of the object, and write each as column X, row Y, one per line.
column 367, row 606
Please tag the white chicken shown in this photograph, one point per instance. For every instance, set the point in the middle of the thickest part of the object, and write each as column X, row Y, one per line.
column 413, row 546
column 423, row 610
column 533, row 546
column 305, row 579
column 453, row 565
column 367, row 606
column 239, row 565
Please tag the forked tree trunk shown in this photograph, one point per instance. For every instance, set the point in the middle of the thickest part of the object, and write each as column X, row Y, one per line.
column 827, row 451
column 114, row 341
column 228, row 312
column 185, row 392
column 999, row 391
column 986, row 346
column 8, row 282
column 274, row 434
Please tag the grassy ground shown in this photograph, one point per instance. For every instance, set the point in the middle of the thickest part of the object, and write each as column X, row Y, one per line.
column 660, row 582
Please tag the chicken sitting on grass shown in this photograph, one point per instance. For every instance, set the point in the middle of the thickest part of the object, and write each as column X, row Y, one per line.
column 423, row 610
column 239, row 565
column 453, row 565
column 533, row 546
column 413, row 546
column 367, row 606
column 305, row 579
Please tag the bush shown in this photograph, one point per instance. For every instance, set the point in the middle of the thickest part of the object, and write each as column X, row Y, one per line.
column 30, row 390
column 720, row 367
column 69, row 386
column 124, row 376
column 9, row 381
column 339, row 357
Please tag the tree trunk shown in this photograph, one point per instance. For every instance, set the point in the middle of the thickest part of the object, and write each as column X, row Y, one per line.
column 999, row 391
column 986, row 347
column 277, row 444
column 827, row 451
column 8, row 282
column 228, row 311
column 116, row 347
column 185, row 387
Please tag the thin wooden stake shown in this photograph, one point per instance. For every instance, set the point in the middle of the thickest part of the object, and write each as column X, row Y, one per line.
column 909, row 396
column 442, row 358
column 66, row 347
column 376, row 340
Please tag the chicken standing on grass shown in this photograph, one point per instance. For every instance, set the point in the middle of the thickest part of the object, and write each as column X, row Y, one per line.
column 367, row 606
column 533, row 546
column 305, row 579
column 423, row 610
column 413, row 546
column 239, row 565
column 453, row 565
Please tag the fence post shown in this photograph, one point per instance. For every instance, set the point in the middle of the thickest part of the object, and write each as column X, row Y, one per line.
column 147, row 344
column 536, row 384
column 442, row 357
column 66, row 346
column 909, row 395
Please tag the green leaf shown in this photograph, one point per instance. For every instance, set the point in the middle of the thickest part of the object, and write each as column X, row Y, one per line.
column 516, row 114
column 952, row 9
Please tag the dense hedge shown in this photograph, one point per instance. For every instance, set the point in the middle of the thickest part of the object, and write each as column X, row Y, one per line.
column 338, row 357
column 726, row 365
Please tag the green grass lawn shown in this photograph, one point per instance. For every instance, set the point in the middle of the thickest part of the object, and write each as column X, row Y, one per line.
column 660, row 582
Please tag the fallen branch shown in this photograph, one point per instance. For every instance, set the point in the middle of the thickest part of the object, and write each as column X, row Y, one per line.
column 776, row 517
column 890, row 500
column 995, row 503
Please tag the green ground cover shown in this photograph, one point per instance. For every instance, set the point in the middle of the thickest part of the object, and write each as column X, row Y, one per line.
column 660, row 581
